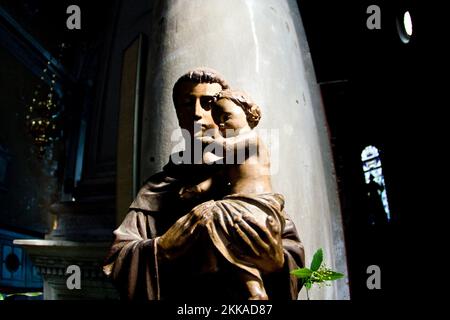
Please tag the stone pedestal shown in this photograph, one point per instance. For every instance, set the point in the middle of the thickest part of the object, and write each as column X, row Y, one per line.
column 81, row 236
column 52, row 257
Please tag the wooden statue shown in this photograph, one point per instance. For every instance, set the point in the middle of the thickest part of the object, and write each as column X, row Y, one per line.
column 212, row 230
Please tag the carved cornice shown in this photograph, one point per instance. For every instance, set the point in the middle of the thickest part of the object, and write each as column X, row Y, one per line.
column 60, row 271
column 52, row 257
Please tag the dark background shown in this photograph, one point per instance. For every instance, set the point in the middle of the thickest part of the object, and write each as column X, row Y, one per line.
column 378, row 90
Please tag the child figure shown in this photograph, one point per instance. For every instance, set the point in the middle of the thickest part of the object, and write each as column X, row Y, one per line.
column 233, row 230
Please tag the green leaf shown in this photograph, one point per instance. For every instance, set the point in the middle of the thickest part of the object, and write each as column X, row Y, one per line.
column 334, row 276
column 1, row 297
column 317, row 260
column 316, row 277
column 302, row 273
column 308, row 285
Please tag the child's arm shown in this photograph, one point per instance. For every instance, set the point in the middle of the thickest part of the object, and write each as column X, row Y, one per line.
column 239, row 142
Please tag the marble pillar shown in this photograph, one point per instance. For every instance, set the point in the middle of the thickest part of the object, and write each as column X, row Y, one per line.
column 261, row 48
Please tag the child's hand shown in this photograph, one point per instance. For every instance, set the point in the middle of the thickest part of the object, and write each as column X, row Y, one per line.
column 207, row 139
column 189, row 192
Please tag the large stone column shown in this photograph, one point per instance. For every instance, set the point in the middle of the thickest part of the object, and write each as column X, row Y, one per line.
column 260, row 47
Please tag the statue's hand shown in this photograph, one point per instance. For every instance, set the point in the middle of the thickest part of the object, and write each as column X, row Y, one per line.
column 181, row 235
column 216, row 138
column 206, row 139
column 267, row 244
column 190, row 192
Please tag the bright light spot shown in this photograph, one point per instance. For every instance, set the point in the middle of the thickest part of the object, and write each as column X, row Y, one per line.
column 407, row 23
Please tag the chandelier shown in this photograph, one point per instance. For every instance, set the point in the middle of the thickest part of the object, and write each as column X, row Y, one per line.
column 43, row 111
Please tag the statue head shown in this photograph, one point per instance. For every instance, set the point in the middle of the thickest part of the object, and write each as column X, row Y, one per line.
column 193, row 95
column 234, row 110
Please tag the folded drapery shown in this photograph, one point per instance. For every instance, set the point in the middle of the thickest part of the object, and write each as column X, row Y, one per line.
column 132, row 262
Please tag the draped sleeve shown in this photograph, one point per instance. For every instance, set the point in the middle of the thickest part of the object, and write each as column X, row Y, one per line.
column 132, row 262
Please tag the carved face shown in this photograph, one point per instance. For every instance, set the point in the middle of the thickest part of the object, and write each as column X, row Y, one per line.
column 228, row 115
column 193, row 103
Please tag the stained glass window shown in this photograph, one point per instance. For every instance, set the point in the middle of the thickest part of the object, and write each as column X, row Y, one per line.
column 371, row 164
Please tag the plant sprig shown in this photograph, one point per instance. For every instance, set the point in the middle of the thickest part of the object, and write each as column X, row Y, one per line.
column 317, row 272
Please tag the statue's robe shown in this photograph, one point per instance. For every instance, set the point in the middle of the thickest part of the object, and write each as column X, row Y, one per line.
column 133, row 266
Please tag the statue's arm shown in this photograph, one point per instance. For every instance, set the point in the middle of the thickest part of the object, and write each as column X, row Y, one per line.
column 131, row 263
column 139, row 249
column 283, row 284
column 243, row 141
column 240, row 142
column 292, row 244
column 294, row 253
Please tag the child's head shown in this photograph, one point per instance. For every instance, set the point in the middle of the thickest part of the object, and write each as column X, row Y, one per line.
column 235, row 110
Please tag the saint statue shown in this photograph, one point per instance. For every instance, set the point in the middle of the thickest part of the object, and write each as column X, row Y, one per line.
column 212, row 229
